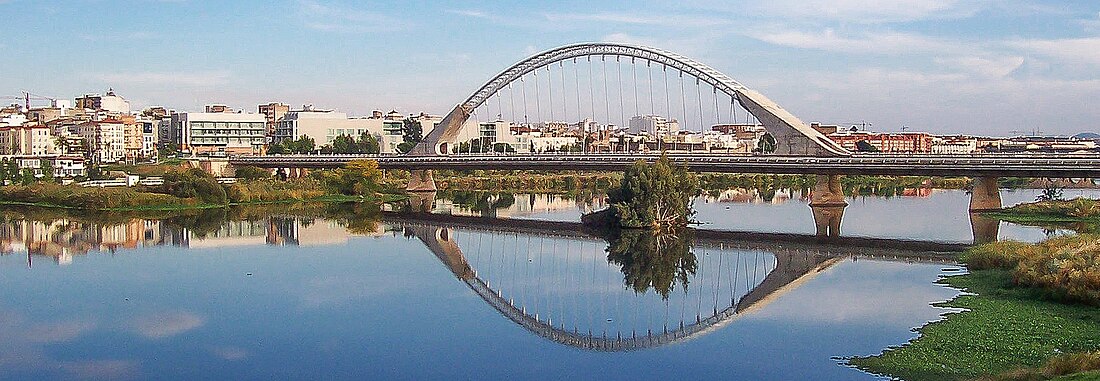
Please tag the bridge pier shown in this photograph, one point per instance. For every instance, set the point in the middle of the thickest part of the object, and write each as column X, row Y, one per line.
column 827, row 203
column 297, row 173
column 985, row 229
column 985, row 195
column 421, row 180
column 421, row 202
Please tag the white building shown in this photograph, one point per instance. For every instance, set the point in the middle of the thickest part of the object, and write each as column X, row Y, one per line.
column 105, row 138
column 12, row 120
column 27, row 140
column 219, row 133
column 149, row 137
column 110, row 103
column 325, row 126
column 953, row 145
column 652, row 125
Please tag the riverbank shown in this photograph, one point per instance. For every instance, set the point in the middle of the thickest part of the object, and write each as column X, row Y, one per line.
column 1029, row 311
column 257, row 192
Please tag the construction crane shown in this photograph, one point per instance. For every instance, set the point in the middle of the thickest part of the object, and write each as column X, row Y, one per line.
column 27, row 96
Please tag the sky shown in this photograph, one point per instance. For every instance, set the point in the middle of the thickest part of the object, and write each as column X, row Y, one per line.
column 942, row 66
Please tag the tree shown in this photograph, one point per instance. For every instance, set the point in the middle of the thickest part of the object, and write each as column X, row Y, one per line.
column 10, row 171
column 26, row 176
column 95, row 172
column 47, row 169
column 368, row 144
column 865, row 146
column 653, row 260
column 277, row 148
column 344, row 144
column 356, row 178
column 411, row 131
column 193, row 183
column 304, row 144
column 766, row 144
column 405, row 147
column 1051, row 192
column 656, row 196
column 252, row 173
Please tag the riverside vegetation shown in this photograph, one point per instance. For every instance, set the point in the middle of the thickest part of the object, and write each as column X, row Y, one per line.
column 1032, row 311
column 359, row 180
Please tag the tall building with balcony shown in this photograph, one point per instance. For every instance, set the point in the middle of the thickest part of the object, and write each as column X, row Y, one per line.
column 218, row 133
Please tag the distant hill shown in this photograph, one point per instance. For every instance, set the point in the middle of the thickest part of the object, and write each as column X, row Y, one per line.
column 1087, row 135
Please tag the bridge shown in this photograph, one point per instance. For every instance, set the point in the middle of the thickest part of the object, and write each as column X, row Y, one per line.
column 563, row 284
column 599, row 84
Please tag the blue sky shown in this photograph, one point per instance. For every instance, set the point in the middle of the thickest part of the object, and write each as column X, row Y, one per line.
column 946, row 66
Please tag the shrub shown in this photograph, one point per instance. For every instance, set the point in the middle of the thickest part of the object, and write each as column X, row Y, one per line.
column 252, row 173
column 193, row 183
column 1068, row 267
column 1004, row 255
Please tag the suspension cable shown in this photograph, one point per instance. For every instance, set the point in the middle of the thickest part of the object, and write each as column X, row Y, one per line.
column 619, row 74
column 550, row 90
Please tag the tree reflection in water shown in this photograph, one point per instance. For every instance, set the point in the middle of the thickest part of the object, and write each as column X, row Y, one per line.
column 357, row 217
column 652, row 259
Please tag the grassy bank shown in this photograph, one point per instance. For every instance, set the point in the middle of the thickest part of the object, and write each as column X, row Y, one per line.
column 1078, row 209
column 1081, row 215
column 1031, row 312
column 75, row 197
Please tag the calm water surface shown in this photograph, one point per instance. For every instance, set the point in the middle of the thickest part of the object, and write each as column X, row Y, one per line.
column 925, row 214
column 279, row 297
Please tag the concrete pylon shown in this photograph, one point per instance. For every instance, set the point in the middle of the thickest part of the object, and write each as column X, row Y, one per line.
column 421, row 180
column 828, row 192
column 827, row 220
column 985, row 229
column 444, row 136
column 421, row 202
column 985, row 195
column 827, row 204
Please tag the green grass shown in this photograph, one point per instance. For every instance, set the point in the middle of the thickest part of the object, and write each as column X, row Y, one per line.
column 1086, row 376
column 1006, row 327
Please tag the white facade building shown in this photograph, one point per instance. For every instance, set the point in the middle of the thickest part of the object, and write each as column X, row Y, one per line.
column 953, row 146
column 324, row 126
column 219, row 133
column 27, row 140
column 652, row 125
column 105, row 138
column 110, row 103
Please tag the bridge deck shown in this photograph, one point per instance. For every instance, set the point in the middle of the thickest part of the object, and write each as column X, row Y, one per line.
column 1055, row 166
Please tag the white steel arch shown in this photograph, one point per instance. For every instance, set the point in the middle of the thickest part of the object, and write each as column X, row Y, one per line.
column 794, row 136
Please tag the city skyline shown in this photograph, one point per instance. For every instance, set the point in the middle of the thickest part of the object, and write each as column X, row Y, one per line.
column 944, row 66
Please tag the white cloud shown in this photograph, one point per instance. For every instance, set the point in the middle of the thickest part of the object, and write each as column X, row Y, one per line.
column 230, row 353
column 871, row 11
column 164, row 325
column 333, row 18
column 888, row 42
column 666, row 20
column 192, row 79
column 469, row 13
column 1071, row 51
column 983, row 66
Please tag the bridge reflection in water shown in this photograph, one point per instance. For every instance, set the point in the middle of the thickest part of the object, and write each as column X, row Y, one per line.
column 562, row 284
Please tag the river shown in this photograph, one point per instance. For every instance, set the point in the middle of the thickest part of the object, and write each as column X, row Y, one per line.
column 275, row 295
